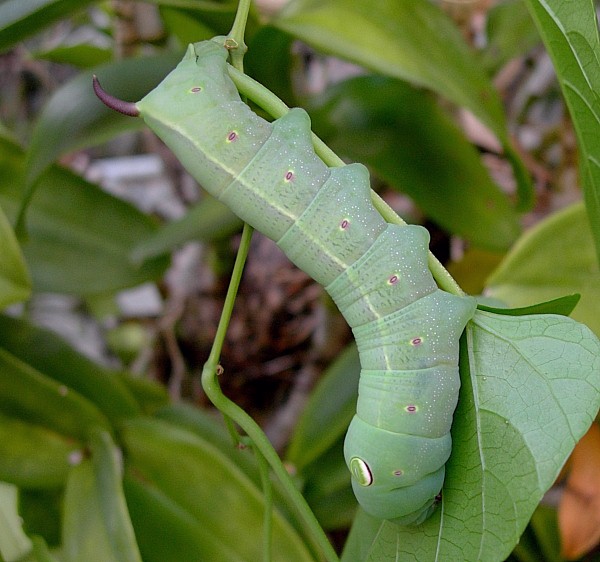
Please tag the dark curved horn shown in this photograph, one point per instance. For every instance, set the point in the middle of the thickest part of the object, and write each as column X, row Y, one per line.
column 124, row 107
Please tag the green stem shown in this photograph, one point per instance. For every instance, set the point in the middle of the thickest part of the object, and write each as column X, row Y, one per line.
column 212, row 364
column 275, row 107
column 234, row 42
column 211, row 387
column 231, row 411
column 236, row 277
column 235, row 39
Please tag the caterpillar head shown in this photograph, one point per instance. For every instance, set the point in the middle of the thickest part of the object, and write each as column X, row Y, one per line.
column 395, row 476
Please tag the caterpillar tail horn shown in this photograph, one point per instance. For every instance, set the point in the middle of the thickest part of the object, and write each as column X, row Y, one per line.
column 124, row 107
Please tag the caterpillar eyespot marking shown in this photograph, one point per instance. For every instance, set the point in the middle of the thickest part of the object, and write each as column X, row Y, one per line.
column 248, row 179
column 361, row 471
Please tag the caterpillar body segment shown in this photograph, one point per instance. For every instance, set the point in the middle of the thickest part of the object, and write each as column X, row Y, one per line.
column 407, row 329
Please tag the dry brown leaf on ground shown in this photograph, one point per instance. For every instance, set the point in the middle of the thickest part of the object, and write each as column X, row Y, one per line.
column 579, row 508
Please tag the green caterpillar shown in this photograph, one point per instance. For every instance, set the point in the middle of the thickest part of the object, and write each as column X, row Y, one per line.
column 406, row 328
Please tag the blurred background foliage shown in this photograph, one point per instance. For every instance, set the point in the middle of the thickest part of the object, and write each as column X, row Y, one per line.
column 112, row 291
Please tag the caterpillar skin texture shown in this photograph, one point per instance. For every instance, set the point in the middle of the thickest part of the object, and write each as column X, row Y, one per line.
column 407, row 330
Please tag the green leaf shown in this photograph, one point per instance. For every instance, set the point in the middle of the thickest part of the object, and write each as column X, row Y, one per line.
column 31, row 396
column 32, row 456
column 408, row 141
column 412, row 40
column 41, row 511
column 207, row 492
column 211, row 429
column 327, row 490
column 315, row 450
column 96, row 524
column 561, row 305
column 164, row 529
column 554, row 258
column 545, row 525
column 22, row 18
column 82, row 55
column 15, row 284
column 74, row 118
column 272, row 45
column 41, row 552
column 13, row 542
column 569, row 30
column 185, row 26
column 55, row 358
column 327, row 414
column 208, row 220
column 530, row 390
column 227, row 7
column 208, row 18
column 510, row 33
column 80, row 237
column 150, row 395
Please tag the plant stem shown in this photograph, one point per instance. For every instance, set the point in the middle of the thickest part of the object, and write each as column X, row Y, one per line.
column 235, row 39
column 231, row 411
column 211, row 387
column 275, row 107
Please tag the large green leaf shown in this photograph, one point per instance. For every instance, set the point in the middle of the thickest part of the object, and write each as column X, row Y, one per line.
column 210, row 428
column 569, row 29
column 207, row 220
column 15, row 284
column 32, row 456
column 328, row 412
column 40, row 552
column 55, row 358
column 272, row 45
column 21, row 18
column 407, row 140
column 553, row 259
column 81, row 55
column 327, row 490
column 412, row 40
column 315, row 450
column 207, row 491
column 80, row 237
column 29, row 395
column 195, row 20
column 530, row 390
column 165, row 530
column 96, row 524
column 510, row 33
